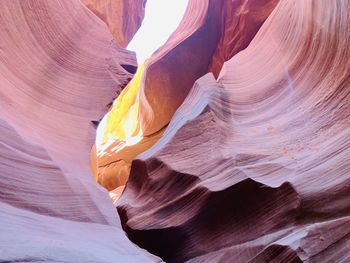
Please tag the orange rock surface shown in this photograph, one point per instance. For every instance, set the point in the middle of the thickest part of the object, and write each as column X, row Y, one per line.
column 169, row 75
column 123, row 17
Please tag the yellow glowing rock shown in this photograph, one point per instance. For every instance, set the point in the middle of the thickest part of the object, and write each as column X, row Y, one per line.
column 122, row 121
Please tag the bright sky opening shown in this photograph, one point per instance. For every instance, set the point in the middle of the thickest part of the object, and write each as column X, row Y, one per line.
column 161, row 19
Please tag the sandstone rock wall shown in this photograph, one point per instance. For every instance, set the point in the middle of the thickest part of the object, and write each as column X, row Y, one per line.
column 123, row 17
column 59, row 69
column 254, row 166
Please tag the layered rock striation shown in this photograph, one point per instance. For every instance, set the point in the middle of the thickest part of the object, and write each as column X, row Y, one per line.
column 254, row 165
column 200, row 44
column 123, row 17
column 59, row 69
column 232, row 140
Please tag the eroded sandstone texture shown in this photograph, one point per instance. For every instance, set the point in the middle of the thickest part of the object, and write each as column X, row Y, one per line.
column 123, row 17
column 254, row 166
column 200, row 44
column 232, row 139
column 59, row 69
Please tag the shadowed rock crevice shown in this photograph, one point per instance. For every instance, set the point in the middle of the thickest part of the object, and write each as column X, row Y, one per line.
column 185, row 219
column 276, row 254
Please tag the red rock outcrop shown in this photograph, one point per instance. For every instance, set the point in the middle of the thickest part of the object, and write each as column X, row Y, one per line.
column 254, row 166
column 59, row 69
column 241, row 21
column 123, row 17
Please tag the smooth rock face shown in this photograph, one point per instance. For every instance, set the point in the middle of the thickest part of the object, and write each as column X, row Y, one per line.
column 59, row 70
column 248, row 164
column 123, row 17
column 242, row 20
column 255, row 166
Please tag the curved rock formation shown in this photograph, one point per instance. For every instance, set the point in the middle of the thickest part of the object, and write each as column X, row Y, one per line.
column 254, row 166
column 249, row 163
column 59, row 69
column 169, row 75
column 242, row 20
column 123, row 17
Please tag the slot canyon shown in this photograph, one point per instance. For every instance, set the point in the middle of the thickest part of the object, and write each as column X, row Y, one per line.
column 230, row 143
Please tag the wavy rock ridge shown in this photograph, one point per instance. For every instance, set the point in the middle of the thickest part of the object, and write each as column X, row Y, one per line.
column 59, row 68
column 255, row 167
column 249, row 163
column 169, row 74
